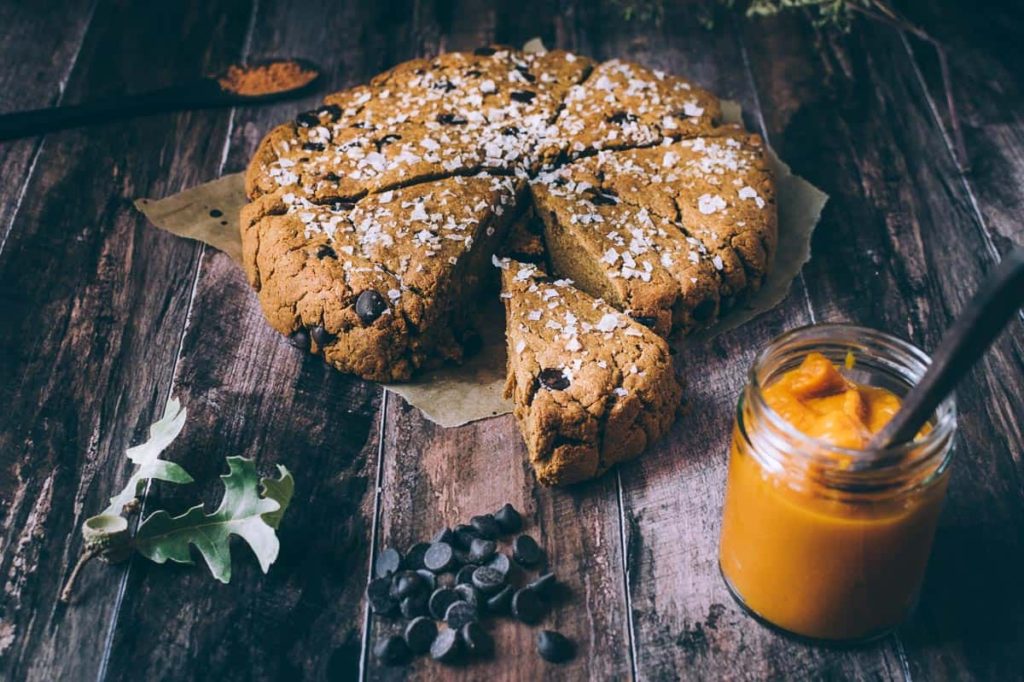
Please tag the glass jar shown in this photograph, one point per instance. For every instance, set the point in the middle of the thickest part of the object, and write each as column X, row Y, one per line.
column 821, row 541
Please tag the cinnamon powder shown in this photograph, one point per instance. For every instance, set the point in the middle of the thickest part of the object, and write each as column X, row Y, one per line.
column 265, row 79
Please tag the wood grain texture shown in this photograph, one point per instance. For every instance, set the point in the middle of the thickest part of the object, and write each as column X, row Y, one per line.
column 93, row 304
column 906, row 249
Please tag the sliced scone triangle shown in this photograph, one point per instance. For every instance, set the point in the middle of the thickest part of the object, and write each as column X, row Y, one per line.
column 591, row 387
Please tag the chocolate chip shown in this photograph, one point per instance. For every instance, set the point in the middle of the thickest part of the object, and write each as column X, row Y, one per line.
column 465, row 575
column 476, row 641
column 526, row 551
column 464, row 535
column 419, row 634
column 647, row 321
column 332, row 177
column 325, row 251
column 450, row 119
column 622, row 117
column 488, row 580
column 215, row 213
column 468, row 594
column 414, row 556
column 414, row 606
column 486, row 526
column 407, row 584
column 440, row 600
column 704, row 310
column 525, row 70
column 508, row 519
column 554, row 379
column 481, row 550
column 369, row 306
column 388, row 562
column 604, row 199
column 554, row 647
column 444, row 535
column 429, row 578
column 314, row 146
column 443, row 84
column 299, row 339
column 500, row 563
column 544, row 586
column 446, row 647
column 500, row 602
column 484, row 51
column 524, row 96
column 510, row 130
column 331, row 111
column 439, row 557
column 460, row 613
column 386, row 140
column 378, row 594
column 307, row 119
column 321, row 336
column 392, row 650
column 474, row 73
column 527, row 606
column 342, row 205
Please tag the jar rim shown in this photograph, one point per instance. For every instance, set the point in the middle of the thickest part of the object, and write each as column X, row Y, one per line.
column 855, row 336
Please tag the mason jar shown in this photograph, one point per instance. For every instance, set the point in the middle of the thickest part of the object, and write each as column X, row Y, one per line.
column 823, row 541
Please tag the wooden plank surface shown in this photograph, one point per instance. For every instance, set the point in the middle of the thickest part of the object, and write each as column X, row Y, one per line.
column 104, row 318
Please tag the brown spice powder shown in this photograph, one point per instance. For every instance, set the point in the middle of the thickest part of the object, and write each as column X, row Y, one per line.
column 265, row 79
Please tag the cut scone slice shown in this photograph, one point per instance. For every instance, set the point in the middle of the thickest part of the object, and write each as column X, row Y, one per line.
column 591, row 387
column 719, row 188
column 622, row 105
column 637, row 260
column 383, row 286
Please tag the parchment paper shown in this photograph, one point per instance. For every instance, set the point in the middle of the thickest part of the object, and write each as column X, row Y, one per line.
column 452, row 396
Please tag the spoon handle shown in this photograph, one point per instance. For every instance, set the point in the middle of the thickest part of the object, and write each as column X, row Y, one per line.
column 986, row 314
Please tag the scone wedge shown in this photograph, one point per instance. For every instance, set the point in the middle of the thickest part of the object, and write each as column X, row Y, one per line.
column 591, row 387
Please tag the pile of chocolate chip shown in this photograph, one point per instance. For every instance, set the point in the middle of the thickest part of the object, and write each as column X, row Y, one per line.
column 461, row 579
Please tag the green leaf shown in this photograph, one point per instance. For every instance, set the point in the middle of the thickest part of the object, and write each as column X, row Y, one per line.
column 279, row 489
column 241, row 512
column 146, row 457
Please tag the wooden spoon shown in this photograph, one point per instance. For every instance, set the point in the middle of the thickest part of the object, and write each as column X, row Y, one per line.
column 963, row 344
column 203, row 93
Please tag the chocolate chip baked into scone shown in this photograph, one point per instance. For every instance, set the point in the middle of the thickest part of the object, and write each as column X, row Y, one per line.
column 591, row 387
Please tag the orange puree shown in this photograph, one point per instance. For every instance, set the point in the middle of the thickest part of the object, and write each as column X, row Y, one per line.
column 804, row 556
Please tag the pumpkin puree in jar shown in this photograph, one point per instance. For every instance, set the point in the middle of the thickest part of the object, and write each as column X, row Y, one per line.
column 805, row 558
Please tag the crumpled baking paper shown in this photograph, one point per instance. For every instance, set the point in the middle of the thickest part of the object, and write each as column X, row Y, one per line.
column 456, row 395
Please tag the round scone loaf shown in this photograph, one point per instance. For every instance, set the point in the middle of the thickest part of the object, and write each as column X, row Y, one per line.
column 373, row 218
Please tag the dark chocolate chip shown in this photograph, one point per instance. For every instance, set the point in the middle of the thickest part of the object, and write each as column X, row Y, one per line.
column 527, row 606
column 704, row 310
column 525, row 70
column 486, row 526
column 544, row 586
column 314, row 146
column 321, row 336
column 342, row 205
column 526, row 551
column 488, row 580
column 554, row 647
column 464, row 535
column 378, row 594
column 481, row 551
column 440, row 600
column 429, row 578
column 450, row 119
column 460, row 613
column 444, row 535
column 331, row 111
column 510, row 130
column 307, row 119
column 446, row 647
column 443, row 84
column 414, row 556
column 386, row 140
column 408, row 583
column 215, row 213
column 509, row 519
column 474, row 73
column 476, row 640
column 392, row 650
column 414, row 606
column 484, row 51
column 419, row 634
column 622, row 117
column 465, row 575
column 300, row 339
column 500, row 602
column 468, row 594
column 647, row 321
column 325, row 251
column 523, row 96
column 439, row 557
column 332, row 177
column 500, row 563
column 554, row 379
column 370, row 305
column 604, row 199
column 388, row 562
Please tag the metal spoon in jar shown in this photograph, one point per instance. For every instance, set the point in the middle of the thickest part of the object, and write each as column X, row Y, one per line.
column 999, row 298
column 238, row 85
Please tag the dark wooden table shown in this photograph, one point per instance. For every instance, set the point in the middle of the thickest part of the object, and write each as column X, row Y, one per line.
column 103, row 318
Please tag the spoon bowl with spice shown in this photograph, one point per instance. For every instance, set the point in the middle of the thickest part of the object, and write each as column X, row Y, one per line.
column 238, row 85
